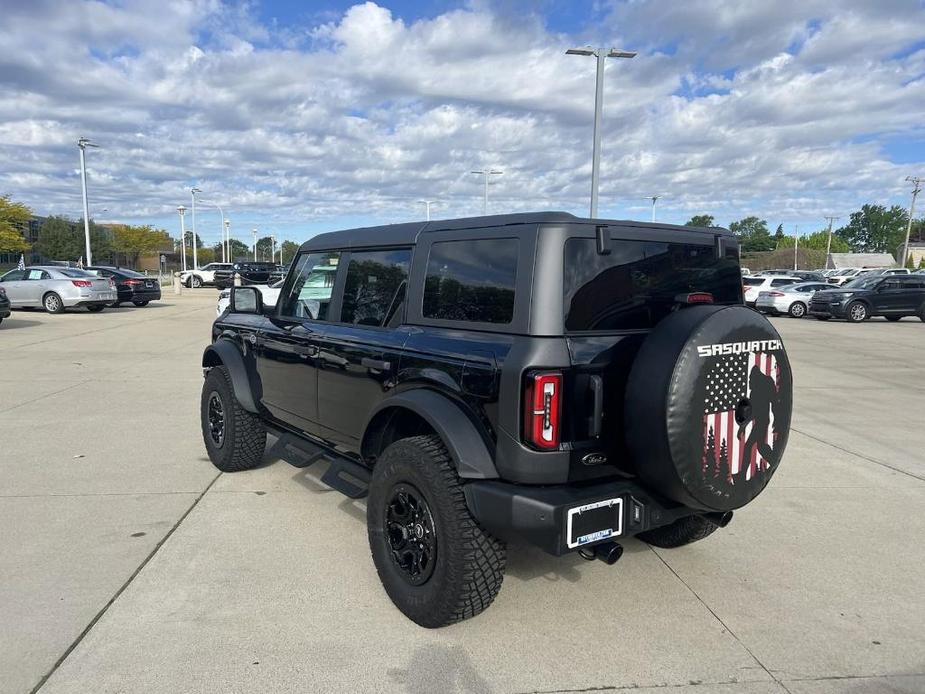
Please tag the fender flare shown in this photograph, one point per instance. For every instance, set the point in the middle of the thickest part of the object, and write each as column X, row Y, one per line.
column 228, row 354
column 463, row 442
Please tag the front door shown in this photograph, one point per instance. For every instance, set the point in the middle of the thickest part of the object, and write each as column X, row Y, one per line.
column 892, row 297
column 34, row 287
column 359, row 354
column 288, row 350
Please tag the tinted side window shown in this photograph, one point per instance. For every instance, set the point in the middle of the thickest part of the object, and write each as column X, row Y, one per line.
column 781, row 283
column 375, row 286
column 635, row 286
column 471, row 281
column 309, row 295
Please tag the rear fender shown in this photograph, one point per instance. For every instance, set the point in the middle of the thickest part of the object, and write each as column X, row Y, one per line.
column 463, row 442
column 244, row 381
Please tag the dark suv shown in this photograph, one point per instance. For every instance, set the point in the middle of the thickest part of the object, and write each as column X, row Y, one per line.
column 891, row 296
column 535, row 378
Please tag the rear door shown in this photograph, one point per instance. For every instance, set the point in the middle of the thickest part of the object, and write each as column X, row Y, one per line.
column 891, row 297
column 359, row 352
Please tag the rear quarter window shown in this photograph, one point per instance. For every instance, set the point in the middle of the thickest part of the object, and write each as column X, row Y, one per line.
column 471, row 281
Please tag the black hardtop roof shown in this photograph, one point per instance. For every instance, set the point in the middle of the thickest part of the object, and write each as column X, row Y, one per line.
column 407, row 233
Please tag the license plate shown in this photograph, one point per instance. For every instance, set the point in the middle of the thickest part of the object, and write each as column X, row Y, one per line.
column 593, row 522
column 106, row 296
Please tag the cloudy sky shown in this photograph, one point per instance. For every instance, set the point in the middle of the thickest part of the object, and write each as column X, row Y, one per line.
column 299, row 117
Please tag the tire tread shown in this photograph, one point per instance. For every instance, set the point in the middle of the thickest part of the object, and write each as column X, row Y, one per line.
column 682, row 532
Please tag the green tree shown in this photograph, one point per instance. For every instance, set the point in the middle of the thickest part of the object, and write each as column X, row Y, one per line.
column 922, row 263
column 264, row 248
column 135, row 241
column 816, row 241
column 753, row 234
column 13, row 216
column 59, row 240
column 289, row 249
column 910, row 263
column 875, row 229
column 779, row 235
column 700, row 220
column 240, row 250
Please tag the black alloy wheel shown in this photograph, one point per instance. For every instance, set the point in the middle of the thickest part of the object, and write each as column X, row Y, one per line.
column 411, row 534
column 216, row 417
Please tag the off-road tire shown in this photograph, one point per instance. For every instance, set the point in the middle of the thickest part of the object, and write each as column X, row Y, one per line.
column 52, row 303
column 797, row 309
column 682, row 532
column 849, row 312
column 140, row 304
column 96, row 308
column 469, row 565
column 244, row 435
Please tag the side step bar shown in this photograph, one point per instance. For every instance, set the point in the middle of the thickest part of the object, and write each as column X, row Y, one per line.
column 346, row 476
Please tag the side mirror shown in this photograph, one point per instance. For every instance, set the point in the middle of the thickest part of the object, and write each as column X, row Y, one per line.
column 246, row 300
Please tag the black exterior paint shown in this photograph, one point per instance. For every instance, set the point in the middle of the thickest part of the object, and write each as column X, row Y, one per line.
column 339, row 384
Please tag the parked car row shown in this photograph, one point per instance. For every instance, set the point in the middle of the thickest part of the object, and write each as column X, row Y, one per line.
column 55, row 288
column 893, row 295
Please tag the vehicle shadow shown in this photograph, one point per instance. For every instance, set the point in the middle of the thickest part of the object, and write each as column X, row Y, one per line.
column 439, row 668
column 14, row 323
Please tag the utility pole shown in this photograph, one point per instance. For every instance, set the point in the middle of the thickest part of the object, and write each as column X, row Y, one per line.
column 487, row 173
column 193, row 192
column 601, row 56
column 254, row 232
column 182, row 211
column 916, row 182
column 427, row 204
column 654, row 198
column 828, row 243
column 82, row 144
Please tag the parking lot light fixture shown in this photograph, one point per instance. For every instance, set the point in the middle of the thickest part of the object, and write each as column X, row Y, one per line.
column 254, row 232
column 601, row 54
column 654, row 199
column 427, row 204
column 228, row 240
column 916, row 182
column 488, row 173
column 82, row 144
column 828, row 243
column 193, row 192
column 182, row 211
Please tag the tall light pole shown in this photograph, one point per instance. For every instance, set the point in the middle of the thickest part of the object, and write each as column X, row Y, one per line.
column 601, row 56
column 272, row 248
column 182, row 211
column 427, row 204
column 82, row 144
column 916, row 182
column 228, row 240
column 796, row 244
column 192, row 192
column 488, row 173
column 828, row 243
column 254, row 232
column 218, row 207
column 654, row 198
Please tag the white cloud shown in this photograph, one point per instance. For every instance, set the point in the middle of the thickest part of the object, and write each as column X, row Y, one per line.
column 777, row 109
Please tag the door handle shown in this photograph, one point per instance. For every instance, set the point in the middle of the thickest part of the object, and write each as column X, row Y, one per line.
column 309, row 352
column 375, row 364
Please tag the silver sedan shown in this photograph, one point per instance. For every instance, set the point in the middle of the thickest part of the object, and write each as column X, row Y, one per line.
column 793, row 299
column 57, row 288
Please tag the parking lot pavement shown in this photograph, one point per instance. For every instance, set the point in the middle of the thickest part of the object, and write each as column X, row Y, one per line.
column 262, row 581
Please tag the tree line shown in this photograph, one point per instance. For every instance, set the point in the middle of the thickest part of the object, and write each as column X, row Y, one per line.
column 872, row 229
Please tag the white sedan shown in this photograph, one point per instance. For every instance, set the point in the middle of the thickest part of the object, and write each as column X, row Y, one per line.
column 202, row 276
column 793, row 299
column 762, row 283
column 270, row 293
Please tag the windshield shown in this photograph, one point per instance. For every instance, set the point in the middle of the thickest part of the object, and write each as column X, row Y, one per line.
column 863, row 282
column 638, row 283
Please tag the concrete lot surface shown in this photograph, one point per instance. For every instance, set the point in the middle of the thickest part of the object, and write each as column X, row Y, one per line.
column 127, row 564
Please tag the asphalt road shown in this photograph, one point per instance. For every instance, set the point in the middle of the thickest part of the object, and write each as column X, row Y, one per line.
column 127, row 564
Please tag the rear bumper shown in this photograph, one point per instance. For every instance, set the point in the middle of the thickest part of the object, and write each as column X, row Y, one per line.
column 146, row 295
column 540, row 515
column 90, row 299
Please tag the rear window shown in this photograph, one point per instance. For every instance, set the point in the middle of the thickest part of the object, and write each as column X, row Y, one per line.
column 752, row 281
column 471, row 281
column 635, row 286
column 71, row 272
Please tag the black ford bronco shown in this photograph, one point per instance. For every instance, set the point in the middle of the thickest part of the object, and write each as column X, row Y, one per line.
column 534, row 378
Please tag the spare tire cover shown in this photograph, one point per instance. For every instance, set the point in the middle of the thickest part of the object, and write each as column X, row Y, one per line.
column 708, row 405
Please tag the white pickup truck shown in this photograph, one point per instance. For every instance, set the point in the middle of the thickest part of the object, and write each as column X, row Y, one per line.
column 202, row 276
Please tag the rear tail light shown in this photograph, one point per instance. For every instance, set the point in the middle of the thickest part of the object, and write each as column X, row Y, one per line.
column 82, row 283
column 132, row 282
column 542, row 405
column 774, row 293
column 695, row 298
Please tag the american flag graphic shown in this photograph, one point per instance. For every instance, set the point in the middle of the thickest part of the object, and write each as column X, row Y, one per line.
column 726, row 443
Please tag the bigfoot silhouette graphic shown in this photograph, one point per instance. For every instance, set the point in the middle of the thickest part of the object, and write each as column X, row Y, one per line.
column 764, row 398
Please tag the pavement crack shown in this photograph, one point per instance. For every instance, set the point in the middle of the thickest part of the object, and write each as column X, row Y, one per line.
column 859, row 455
column 99, row 615
column 719, row 619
